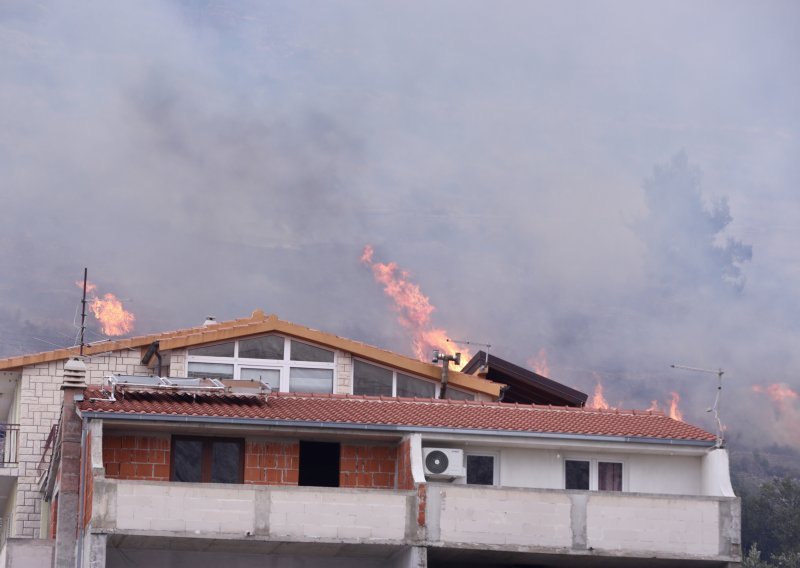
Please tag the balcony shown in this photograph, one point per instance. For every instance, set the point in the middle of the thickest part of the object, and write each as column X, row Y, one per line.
column 533, row 522
column 9, row 435
column 253, row 513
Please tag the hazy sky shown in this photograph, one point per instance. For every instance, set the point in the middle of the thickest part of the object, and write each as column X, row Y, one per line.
column 614, row 182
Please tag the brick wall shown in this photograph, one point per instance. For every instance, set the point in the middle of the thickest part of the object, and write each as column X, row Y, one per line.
column 136, row 457
column 88, row 481
column 271, row 463
column 368, row 466
column 405, row 479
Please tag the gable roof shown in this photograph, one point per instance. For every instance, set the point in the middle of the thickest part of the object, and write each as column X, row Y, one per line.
column 259, row 323
column 294, row 409
column 524, row 386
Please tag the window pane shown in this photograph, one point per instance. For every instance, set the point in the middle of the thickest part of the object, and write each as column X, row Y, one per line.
column 210, row 371
column 371, row 380
column 266, row 347
column 411, row 386
column 187, row 460
column 458, row 395
column 480, row 470
column 306, row 352
column 226, row 462
column 219, row 350
column 577, row 474
column 270, row 376
column 609, row 476
column 310, row 380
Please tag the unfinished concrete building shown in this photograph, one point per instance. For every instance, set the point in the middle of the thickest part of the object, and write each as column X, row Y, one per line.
column 258, row 442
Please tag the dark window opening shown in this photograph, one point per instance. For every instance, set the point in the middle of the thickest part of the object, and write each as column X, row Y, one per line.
column 577, row 474
column 207, row 460
column 609, row 476
column 319, row 464
column 480, row 470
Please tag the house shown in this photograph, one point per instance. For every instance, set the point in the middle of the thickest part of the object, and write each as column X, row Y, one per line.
column 258, row 442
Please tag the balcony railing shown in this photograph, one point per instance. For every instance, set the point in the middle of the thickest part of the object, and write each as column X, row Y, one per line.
column 9, row 436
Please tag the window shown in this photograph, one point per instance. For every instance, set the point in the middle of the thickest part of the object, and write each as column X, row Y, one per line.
column 577, row 474
column 311, row 380
column 480, row 470
column 373, row 380
column 207, row 460
column 319, row 464
column 593, row 475
column 265, row 347
column 609, row 476
column 284, row 364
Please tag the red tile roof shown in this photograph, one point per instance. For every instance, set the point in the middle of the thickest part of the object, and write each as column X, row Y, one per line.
column 403, row 412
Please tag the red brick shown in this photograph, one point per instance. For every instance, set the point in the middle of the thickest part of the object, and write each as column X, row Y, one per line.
column 144, row 470
column 127, row 470
column 129, row 442
column 112, row 469
column 291, row 476
column 387, row 466
column 112, row 442
column 382, row 480
column 161, row 472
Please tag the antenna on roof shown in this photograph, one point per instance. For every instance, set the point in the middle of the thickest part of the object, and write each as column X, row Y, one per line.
column 485, row 365
column 715, row 408
column 83, row 307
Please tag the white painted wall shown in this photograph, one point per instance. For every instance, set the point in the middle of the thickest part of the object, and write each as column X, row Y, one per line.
column 544, row 468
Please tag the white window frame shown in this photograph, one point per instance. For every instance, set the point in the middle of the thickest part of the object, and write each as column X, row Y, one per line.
column 594, row 472
column 435, row 384
column 282, row 365
column 495, row 470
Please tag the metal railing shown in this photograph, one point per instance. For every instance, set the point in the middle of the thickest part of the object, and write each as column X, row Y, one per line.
column 9, row 436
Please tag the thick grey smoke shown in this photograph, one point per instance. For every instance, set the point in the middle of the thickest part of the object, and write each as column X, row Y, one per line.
column 522, row 161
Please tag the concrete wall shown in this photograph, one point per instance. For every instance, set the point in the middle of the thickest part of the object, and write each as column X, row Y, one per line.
column 27, row 553
column 198, row 510
column 127, row 558
column 575, row 522
column 477, row 516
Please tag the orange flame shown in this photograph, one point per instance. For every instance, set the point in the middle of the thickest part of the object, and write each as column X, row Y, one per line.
column 653, row 406
column 780, row 393
column 113, row 317
column 539, row 363
column 413, row 307
column 598, row 400
column 674, row 412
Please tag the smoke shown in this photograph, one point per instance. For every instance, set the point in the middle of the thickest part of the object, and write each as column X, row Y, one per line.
column 210, row 158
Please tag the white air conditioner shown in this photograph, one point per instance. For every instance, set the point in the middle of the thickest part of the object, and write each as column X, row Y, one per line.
column 443, row 463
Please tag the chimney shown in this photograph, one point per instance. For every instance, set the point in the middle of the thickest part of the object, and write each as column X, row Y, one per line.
column 74, row 374
column 69, row 466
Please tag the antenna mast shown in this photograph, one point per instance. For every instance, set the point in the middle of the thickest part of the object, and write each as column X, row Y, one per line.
column 715, row 408
column 83, row 307
column 486, row 359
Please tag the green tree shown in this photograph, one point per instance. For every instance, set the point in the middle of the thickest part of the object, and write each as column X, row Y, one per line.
column 771, row 518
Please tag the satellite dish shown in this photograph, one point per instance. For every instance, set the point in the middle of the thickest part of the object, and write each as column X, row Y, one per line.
column 437, row 462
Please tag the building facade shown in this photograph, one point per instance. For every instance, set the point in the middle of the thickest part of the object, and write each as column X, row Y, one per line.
column 257, row 442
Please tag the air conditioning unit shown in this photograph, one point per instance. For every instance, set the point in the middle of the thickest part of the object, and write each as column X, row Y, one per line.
column 443, row 463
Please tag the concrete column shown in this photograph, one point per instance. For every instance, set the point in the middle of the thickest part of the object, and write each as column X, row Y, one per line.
column 410, row 557
column 69, row 466
column 95, row 557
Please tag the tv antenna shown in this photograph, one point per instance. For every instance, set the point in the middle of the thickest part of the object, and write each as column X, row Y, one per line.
column 83, row 308
column 465, row 342
column 715, row 408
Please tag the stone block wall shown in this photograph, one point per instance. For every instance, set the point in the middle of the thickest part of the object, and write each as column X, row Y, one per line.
column 344, row 373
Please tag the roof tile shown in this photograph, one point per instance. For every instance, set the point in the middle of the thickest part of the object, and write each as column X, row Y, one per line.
column 370, row 410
